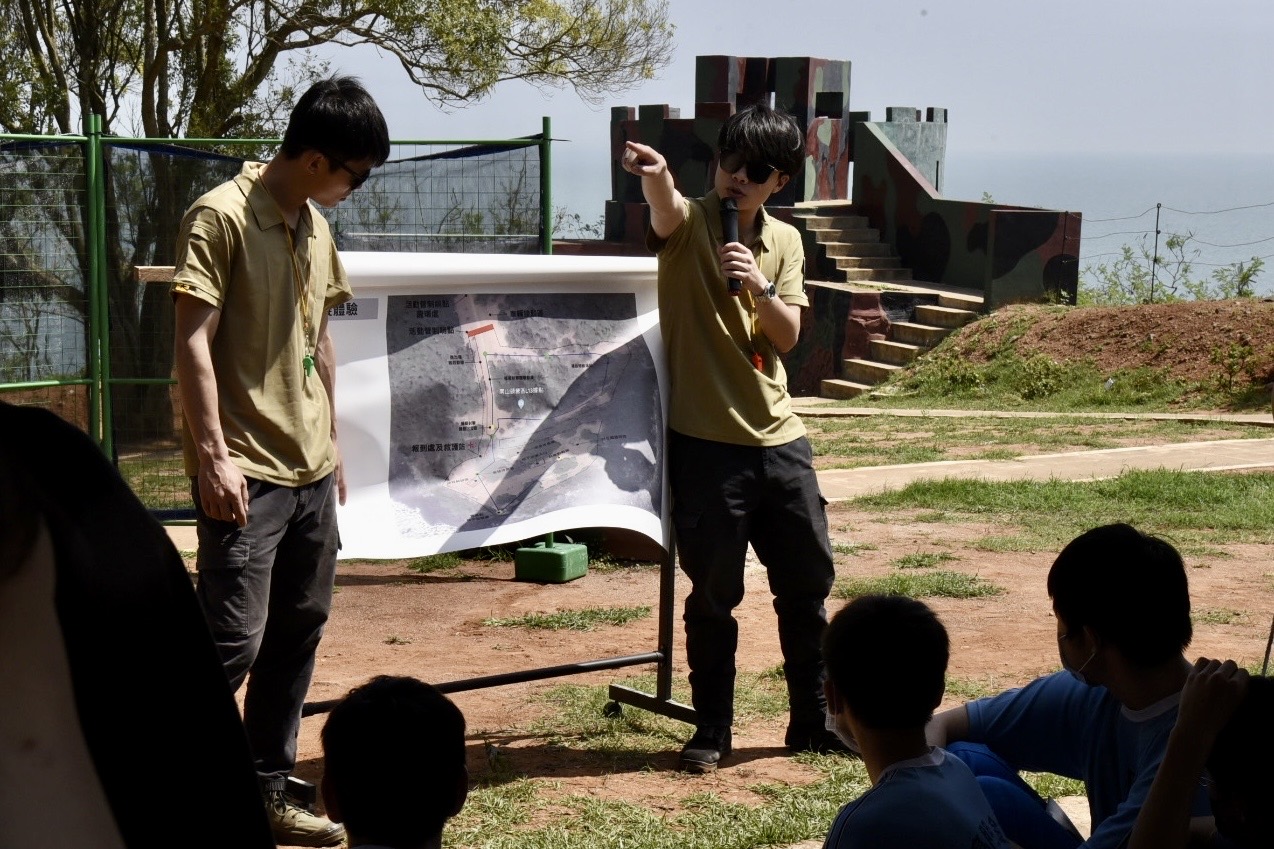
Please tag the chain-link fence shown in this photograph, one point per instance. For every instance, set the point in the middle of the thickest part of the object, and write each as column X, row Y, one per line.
column 86, row 335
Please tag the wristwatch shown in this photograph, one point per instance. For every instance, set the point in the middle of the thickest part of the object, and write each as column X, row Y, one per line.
column 767, row 294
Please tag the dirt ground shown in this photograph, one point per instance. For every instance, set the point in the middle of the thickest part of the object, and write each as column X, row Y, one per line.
column 388, row 619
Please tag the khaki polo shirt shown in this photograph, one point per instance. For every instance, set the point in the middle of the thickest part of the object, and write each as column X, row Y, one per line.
column 715, row 390
column 233, row 253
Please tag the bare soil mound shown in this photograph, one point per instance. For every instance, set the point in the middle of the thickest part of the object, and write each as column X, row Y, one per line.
column 1184, row 340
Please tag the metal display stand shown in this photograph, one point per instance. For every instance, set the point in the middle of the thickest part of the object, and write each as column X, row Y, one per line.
column 659, row 702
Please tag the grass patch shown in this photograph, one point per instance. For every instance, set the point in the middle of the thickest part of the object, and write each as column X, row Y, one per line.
column 887, row 440
column 1052, row 786
column 1218, row 616
column 573, row 620
column 923, row 559
column 1008, row 543
column 1189, row 508
column 968, row 689
column 938, row 584
column 852, row 549
column 435, row 562
column 535, row 814
column 931, row 517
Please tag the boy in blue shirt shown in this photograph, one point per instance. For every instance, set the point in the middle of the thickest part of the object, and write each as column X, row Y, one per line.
column 881, row 697
column 1122, row 605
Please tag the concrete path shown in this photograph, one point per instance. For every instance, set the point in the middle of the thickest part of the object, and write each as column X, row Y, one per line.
column 1213, row 456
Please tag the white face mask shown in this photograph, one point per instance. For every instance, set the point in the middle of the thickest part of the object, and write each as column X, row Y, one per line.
column 1078, row 674
column 830, row 723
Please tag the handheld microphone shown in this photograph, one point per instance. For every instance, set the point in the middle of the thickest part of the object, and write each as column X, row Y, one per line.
column 730, row 233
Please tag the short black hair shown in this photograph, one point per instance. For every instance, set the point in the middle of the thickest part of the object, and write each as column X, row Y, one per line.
column 1129, row 587
column 394, row 754
column 887, row 657
column 764, row 134
column 337, row 116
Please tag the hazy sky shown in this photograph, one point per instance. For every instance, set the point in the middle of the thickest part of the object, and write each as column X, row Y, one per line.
column 1168, row 76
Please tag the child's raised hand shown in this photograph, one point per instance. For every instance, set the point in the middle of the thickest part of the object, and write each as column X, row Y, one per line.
column 1212, row 692
column 643, row 160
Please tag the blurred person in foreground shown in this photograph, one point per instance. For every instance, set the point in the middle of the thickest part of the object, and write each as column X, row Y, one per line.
column 394, row 764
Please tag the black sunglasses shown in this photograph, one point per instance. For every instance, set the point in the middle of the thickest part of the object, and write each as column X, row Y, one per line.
column 732, row 160
column 356, row 179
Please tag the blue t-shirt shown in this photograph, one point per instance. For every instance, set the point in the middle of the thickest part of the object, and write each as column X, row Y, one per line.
column 930, row 802
column 1057, row 724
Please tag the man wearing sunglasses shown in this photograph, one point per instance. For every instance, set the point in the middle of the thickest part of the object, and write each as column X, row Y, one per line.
column 256, row 273
column 740, row 467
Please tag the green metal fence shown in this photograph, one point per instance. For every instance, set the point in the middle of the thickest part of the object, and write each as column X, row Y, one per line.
column 82, row 333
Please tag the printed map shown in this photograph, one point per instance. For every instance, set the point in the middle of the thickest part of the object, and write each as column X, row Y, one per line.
column 505, row 406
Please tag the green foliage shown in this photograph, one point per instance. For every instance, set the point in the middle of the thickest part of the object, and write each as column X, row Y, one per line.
column 1139, row 276
column 573, row 620
column 214, row 70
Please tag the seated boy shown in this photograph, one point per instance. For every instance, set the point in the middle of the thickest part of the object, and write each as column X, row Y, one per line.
column 1223, row 724
column 394, row 764
column 1122, row 605
column 881, row 697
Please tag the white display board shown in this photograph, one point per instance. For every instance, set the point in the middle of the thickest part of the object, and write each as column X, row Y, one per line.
column 484, row 399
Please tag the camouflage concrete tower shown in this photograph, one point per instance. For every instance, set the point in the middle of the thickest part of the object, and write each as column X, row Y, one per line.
column 814, row 91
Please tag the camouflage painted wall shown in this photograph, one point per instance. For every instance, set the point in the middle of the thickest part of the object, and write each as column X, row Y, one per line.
column 1009, row 253
column 923, row 140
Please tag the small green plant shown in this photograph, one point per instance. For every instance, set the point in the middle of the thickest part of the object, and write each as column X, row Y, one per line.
column 435, row 562
column 923, row 559
column 939, row 584
column 1219, row 616
column 852, row 549
column 395, row 640
column 573, row 620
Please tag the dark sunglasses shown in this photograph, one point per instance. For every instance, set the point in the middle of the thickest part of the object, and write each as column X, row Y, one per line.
column 758, row 172
column 356, row 179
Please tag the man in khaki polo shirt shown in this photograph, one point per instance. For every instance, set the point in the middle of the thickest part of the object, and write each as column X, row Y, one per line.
column 739, row 465
column 256, row 273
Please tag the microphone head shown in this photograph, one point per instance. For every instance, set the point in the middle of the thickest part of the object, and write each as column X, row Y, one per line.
column 729, row 220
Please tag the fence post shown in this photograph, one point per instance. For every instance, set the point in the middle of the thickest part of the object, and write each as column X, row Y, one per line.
column 546, row 186
column 92, row 165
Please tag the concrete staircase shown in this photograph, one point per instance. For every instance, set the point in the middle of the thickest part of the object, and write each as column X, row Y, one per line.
column 851, row 256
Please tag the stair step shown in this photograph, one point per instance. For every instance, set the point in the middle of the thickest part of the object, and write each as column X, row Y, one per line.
column 894, row 353
column 944, row 316
column 841, row 389
column 834, row 222
column 844, row 251
column 867, row 371
column 911, row 333
column 882, row 275
column 957, row 301
column 860, row 248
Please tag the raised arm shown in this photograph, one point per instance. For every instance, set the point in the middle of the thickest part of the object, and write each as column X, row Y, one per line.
column 667, row 206
column 1211, row 694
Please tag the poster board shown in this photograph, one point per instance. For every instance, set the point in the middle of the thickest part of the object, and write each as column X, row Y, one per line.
column 485, row 399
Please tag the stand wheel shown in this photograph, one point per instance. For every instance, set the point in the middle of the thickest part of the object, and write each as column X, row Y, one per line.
column 612, row 709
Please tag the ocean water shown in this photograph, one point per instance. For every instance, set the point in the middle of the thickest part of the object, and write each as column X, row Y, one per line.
column 1226, row 202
